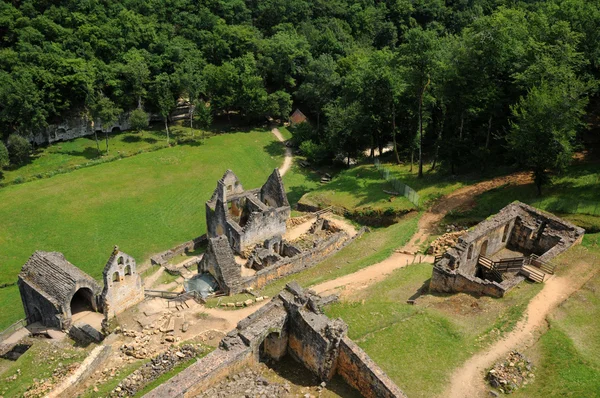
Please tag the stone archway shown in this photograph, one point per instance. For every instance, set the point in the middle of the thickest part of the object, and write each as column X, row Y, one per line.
column 484, row 246
column 82, row 300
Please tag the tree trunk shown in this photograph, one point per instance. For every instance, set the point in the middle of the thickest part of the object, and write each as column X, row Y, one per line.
column 97, row 143
column 167, row 129
column 348, row 159
column 420, row 175
column 489, row 133
column 394, row 134
column 318, row 121
column 412, row 159
column 462, row 125
column 439, row 140
column 106, row 136
column 139, row 102
column 192, row 120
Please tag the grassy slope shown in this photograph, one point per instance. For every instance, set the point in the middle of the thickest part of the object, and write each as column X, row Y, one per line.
column 574, row 195
column 363, row 187
column 145, row 204
column 418, row 346
column 568, row 354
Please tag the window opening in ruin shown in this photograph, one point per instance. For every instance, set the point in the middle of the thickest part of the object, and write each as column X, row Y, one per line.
column 470, row 252
column 115, row 277
column 128, row 270
column 82, row 301
column 276, row 247
column 120, row 261
column 483, row 251
column 272, row 348
column 505, row 233
column 229, row 188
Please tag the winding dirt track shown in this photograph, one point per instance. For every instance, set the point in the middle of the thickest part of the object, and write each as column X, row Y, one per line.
column 287, row 161
column 467, row 381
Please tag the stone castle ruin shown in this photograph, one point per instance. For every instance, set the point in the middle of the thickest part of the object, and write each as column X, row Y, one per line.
column 291, row 324
column 500, row 252
column 53, row 290
column 247, row 217
column 246, row 236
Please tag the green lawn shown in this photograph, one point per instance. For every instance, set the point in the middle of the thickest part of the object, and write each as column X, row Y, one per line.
column 61, row 157
column 418, row 346
column 145, row 204
column 574, row 195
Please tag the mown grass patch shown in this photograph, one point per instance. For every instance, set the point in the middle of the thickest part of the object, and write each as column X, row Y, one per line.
column 419, row 346
column 12, row 308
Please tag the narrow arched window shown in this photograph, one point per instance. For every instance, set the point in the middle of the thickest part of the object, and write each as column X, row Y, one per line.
column 470, row 252
column 115, row 277
column 128, row 270
column 505, row 233
column 120, row 261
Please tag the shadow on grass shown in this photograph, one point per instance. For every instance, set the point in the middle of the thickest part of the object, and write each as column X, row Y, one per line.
column 88, row 153
column 132, row 138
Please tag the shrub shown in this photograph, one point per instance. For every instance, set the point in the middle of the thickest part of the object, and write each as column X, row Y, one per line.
column 18, row 148
column 4, row 160
column 314, row 152
column 138, row 119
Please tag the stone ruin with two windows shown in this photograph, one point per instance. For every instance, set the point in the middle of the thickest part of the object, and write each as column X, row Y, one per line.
column 517, row 243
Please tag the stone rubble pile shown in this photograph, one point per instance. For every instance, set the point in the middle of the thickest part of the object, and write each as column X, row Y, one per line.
column 247, row 384
column 510, row 374
column 159, row 365
column 445, row 242
column 41, row 387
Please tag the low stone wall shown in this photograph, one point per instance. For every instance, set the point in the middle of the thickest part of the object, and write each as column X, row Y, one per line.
column 298, row 263
column 359, row 371
column 164, row 257
column 447, row 281
column 87, row 367
column 205, row 373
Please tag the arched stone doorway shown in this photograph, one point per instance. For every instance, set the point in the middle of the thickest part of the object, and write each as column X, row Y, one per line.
column 483, row 251
column 83, row 300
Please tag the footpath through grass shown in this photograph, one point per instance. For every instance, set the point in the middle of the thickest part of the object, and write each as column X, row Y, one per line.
column 419, row 346
column 567, row 356
column 145, row 204
column 371, row 248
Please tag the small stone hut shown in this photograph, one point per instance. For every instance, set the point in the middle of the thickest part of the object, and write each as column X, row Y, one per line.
column 52, row 290
column 297, row 117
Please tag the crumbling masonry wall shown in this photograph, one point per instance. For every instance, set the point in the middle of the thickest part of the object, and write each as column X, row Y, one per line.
column 318, row 343
column 123, row 286
column 518, row 227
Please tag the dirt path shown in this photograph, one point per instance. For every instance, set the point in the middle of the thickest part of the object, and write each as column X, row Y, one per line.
column 467, row 381
column 406, row 255
column 287, row 162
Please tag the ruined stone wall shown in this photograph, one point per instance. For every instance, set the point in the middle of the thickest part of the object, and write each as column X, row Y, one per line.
column 205, row 373
column 75, row 127
column 359, row 371
column 493, row 236
column 190, row 245
column 447, row 281
column 300, row 262
column 127, row 290
column 264, row 225
column 38, row 307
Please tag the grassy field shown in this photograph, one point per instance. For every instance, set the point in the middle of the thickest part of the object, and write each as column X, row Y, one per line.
column 62, row 156
column 145, row 204
column 567, row 356
column 418, row 346
column 574, row 195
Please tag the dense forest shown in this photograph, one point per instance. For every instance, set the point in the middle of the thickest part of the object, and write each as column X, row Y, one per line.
column 462, row 83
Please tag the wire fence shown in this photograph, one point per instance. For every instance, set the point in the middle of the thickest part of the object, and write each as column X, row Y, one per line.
column 398, row 186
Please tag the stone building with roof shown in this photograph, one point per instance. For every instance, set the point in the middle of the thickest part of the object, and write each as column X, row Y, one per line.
column 52, row 289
